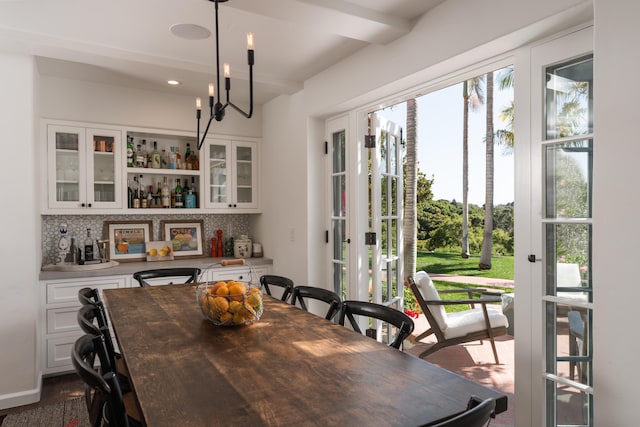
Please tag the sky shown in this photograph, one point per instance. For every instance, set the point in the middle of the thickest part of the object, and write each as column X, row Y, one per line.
column 440, row 145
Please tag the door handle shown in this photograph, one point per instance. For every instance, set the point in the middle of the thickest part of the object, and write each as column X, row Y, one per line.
column 532, row 258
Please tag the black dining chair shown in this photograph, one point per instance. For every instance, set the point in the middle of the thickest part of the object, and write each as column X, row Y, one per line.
column 106, row 404
column 402, row 322
column 283, row 282
column 91, row 296
column 477, row 414
column 185, row 274
column 309, row 292
column 89, row 320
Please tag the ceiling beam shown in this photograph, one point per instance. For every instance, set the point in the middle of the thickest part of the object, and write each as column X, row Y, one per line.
column 338, row 17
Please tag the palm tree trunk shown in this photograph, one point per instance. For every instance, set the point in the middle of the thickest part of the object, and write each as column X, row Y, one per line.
column 465, row 172
column 410, row 229
column 487, row 237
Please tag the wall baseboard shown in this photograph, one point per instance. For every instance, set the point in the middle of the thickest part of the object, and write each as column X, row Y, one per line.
column 26, row 397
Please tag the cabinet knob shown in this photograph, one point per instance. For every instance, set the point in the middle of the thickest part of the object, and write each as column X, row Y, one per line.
column 88, row 205
column 82, row 205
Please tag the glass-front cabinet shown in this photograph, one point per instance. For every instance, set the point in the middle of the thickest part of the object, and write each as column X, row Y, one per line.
column 231, row 175
column 84, row 167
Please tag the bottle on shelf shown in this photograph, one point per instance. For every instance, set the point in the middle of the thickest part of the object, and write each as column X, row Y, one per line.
column 179, row 163
column 173, row 195
column 130, row 153
column 88, row 247
column 172, row 158
column 139, row 157
column 145, row 153
column 164, row 159
column 195, row 163
column 155, row 157
column 73, row 252
column 166, row 194
column 190, row 199
column 136, row 194
column 129, row 194
column 179, row 198
column 187, row 158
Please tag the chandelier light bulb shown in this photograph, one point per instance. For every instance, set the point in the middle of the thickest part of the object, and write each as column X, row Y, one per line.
column 250, row 41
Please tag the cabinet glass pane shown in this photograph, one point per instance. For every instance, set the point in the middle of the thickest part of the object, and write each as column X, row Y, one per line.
column 569, row 98
column 243, row 174
column 104, row 168
column 245, row 195
column 67, row 167
column 243, row 154
column 218, row 168
column 568, row 174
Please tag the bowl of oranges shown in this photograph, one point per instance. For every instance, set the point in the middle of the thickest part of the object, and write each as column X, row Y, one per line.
column 229, row 303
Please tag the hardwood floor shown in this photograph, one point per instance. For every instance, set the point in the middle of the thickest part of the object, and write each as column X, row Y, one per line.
column 54, row 389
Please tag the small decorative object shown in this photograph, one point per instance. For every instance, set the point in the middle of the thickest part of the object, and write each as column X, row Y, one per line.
column 229, row 303
column 159, row 251
column 257, row 250
column 228, row 247
column 63, row 244
column 242, row 247
column 214, row 247
column 219, row 251
column 185, row 236
column 127, row 239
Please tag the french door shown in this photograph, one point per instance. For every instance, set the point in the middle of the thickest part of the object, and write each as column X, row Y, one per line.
column 562, row 143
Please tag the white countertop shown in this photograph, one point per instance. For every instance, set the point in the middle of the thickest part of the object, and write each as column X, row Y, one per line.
column 127, row 268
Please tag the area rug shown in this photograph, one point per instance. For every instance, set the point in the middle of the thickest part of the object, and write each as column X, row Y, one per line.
column 70, row 413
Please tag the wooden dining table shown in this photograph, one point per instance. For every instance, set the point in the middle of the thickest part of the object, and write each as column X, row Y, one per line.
column 289, row 368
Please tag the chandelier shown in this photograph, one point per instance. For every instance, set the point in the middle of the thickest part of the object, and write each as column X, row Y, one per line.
column 217, row 109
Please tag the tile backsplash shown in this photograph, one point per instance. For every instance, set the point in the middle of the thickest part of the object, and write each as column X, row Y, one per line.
column 231, row 225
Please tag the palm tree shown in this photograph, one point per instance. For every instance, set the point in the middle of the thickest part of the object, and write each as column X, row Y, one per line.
column 487, row 237
column 504, row 137
column 410, row 230
column 473, row 98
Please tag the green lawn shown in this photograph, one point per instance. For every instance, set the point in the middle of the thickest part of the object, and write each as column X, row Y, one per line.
column 448, row 263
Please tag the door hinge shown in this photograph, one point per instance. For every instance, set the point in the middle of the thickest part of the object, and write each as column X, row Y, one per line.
column 326, row 236
column 370, row 238
column 326, row 147
column 370, row 141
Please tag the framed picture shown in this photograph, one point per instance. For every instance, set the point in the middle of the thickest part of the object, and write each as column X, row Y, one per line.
column 128, row 239
column 185, row 236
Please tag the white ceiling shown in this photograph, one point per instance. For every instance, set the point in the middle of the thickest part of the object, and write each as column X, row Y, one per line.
column 129, row 43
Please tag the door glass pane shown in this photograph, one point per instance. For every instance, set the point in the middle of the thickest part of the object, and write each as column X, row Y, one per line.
column 339, row 254
column 339, row 212
column 568, row 169
column 339, row 195
column 569, row 258
column 339, row 152
column 569, row 98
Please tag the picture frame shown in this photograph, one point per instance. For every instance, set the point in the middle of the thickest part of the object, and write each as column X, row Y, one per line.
column 128, row 239
column 186, row 237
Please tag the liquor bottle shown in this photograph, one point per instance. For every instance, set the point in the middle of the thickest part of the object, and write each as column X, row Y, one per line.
column 155, row 156
column 136, row 195
column 139, row 157
column 165, row 194
column 88, row 247
column 164, row 159
column 187, row 158
column 172, row 158
column 130, row 158
column 145, row 153
column 73, row 252
column 195, row 163
column 179, row 198
column 195, row 190
column 129, row 194
column 179, row 163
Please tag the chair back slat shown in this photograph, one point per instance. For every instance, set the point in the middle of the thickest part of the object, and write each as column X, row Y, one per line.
column 331, row 298
column 187, row 275
column 401, row 321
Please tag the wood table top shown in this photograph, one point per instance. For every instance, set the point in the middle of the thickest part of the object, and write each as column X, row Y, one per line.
column 288, row 368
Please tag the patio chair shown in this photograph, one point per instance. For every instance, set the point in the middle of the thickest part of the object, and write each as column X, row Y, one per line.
column 475, row 324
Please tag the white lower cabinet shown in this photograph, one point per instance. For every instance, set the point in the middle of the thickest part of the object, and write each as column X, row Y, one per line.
column 241, row 274
column 59, row 329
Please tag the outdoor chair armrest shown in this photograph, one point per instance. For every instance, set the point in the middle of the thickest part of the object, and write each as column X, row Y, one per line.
column 462, row 290
column 483, row 301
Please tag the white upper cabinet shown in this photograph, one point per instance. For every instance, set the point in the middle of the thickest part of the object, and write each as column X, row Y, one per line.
column 231, row 175
column 84, row 168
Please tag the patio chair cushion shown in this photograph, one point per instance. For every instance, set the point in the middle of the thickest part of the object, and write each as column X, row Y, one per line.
column 429, row 293
column 568, row 275
column 465, row 322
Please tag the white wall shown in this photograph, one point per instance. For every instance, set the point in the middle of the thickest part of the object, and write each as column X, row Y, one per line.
column 105, row 104
column 615, row 213
column 20, row 253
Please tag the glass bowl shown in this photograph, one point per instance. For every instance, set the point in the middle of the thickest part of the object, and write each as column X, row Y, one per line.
column 229, row 303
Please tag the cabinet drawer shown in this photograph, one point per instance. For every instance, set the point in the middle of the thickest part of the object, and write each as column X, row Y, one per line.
column 243, row 274
column 63, row 320
column 59, row 351
column 67, row 291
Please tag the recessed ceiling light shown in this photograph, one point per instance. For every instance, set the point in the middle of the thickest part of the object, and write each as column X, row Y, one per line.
column 173, row 82
column 190, row 31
